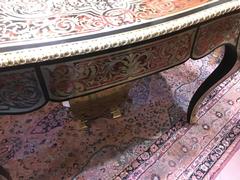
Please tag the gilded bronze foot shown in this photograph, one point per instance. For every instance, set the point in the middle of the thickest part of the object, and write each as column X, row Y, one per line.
column 100, row 104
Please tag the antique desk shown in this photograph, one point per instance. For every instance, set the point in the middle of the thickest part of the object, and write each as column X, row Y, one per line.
column 63, row 49
column 56, row 50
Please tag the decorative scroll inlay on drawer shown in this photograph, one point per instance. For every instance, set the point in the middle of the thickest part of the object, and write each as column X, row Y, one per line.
column 212, row 35
column 20, row 91
column 75, row 78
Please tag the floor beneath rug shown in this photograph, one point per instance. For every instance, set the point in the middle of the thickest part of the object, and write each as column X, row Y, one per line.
column 231, row 169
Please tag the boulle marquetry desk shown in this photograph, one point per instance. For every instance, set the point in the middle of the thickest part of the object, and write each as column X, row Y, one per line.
column 64, row 49
column 88, row 50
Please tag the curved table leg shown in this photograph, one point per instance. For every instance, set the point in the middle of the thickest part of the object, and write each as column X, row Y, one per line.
column 228, row 66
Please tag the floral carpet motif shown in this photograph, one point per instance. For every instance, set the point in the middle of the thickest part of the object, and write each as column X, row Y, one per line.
column 150, row 141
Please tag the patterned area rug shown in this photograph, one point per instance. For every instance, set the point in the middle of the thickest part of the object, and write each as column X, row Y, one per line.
column 151, row 141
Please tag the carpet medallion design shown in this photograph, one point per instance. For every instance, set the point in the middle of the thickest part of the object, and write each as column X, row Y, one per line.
column 150, row 141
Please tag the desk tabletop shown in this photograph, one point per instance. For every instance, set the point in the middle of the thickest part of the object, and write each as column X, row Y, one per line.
column 39, row 30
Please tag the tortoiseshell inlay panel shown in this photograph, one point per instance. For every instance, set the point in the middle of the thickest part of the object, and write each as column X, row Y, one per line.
column 23, row 20
column 20, row 91
column 219, row 32
column 71, row 79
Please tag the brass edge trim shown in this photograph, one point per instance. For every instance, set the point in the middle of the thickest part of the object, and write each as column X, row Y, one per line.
column 42, row 54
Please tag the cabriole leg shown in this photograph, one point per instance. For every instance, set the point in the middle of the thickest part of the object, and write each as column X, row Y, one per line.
column 228, row 66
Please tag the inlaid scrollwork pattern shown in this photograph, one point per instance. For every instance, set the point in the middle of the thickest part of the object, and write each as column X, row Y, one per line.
column 42, row 53
column 23, row 20
column 20, row 91
column 70, row 79
column 212, row 35
column 25, row 28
